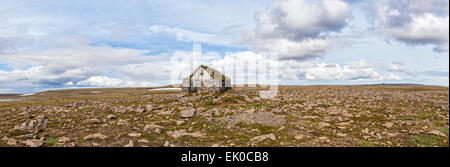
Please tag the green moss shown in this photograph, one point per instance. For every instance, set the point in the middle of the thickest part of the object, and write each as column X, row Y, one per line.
column 444, row 130
column 229, row 99
column 291, row 118
column 428, row 115
column 441, row 123
column 257, row 105
column 53, row 125
column 427, row 140
column 16, row 133
column 406, row 117
column 51, row 141
column 263, row 129
column 364, row 143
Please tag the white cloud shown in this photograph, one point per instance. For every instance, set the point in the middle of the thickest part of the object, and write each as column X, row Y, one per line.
column 298, row 29
column 298, row 19
column 69, row 83
column 6, row 91
column 101, row 81
column 424, row 29
column 20, row 75
column 397, row 67
column 70, row 65
column 142, row 70
column 186, row 35
column 414, row 22
column 104, row 81
column 292, row 70
column 391, row 77
column 358, row 71
column 290, row 49
column 139, row 84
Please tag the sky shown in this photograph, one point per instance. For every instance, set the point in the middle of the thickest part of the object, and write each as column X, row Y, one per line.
column 53, row 44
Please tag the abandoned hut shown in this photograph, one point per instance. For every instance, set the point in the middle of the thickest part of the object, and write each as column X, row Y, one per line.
column 206, row 79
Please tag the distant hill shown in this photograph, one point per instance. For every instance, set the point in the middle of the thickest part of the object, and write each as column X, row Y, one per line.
column 1, row 95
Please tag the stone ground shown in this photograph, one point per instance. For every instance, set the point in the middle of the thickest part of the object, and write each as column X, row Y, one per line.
column 361, row 116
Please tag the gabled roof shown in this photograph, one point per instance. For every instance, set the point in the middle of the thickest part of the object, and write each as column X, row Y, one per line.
column 212, row 71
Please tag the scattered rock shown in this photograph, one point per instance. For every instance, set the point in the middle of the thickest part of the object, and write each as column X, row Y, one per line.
column 40, row 120
column 11, row 142
column 34, row 143
column 95, row 136
column 140, row 110
column 388, row 125
column 323, row 124
column 261, row 138
column 277, row 110
column 323, row 138
column 149, row 107
column 134, row 134
column 347, row 115
column 341, row 135
column 91, row 121
column 300, row 110
column 63, row 139
column 32, row 123
column 120, row 109
column 310, row 117
column 143, row 141
column 438, row 133
column 263, row 118
column 122, row 122
column 188, row 113
column 130, row 144
column 179, row 122
column 247, row 99
column 390, row 135
column 152, row 127
column 281, row 128
column 71, row 144
column 178, row 133
column 251, row 110
column 299, row 137
column 111, row 116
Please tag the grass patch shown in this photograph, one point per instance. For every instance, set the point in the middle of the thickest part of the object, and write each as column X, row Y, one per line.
column 426, row 140
column 441, row 123
column 53, row 125
column 229, row 99
column 427, row 115
column 51, row 141
column 406, row 117
column 444, row 130
column 16, row 133
column 263, row 129
column 257, row 105
column 364, row 143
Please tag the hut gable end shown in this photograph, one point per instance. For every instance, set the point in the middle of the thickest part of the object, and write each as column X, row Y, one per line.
column 205, row 78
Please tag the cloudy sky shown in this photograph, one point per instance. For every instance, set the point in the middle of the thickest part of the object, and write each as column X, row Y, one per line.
column 53, row 44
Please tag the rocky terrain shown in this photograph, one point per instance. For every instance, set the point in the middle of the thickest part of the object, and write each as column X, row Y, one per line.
column 351, row 116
